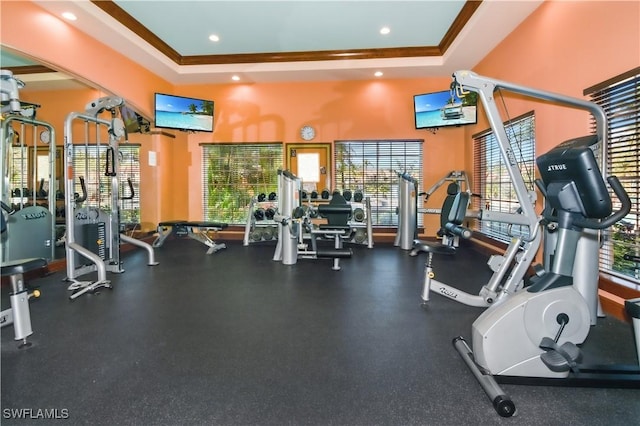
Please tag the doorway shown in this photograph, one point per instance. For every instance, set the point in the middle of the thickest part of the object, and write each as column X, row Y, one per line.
column 312, row 164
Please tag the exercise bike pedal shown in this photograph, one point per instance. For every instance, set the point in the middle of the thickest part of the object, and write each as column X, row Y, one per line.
column 559, row 358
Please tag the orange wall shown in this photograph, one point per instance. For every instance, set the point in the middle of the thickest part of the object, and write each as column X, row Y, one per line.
column 562, row 46
column 565, row 47
column 370, row 109
column 31, row 31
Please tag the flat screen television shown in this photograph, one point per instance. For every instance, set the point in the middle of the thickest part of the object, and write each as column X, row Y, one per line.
column 181, row 113
column 441, row 109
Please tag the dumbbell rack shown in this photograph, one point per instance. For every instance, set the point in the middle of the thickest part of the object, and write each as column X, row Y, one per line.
column 255, row 230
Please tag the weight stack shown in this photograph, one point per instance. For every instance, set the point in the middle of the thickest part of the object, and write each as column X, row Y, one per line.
column 92, row 236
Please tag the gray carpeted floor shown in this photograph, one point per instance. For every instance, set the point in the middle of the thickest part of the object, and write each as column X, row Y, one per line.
column 235, row 338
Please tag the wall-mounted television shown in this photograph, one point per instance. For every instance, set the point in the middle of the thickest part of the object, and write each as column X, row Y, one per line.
column 441, row 109
column 181, row 113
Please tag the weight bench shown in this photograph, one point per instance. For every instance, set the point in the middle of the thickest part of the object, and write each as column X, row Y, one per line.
column 18, row 314
column 194, row 230
column 337, row 212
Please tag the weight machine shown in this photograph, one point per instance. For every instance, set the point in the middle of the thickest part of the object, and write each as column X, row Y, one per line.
column 408, row 209
column 515, row 262
column 294, row 228
column 31, row 228
column 93, row 233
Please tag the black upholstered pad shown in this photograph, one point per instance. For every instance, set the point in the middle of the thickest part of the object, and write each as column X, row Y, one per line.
column 22, row 266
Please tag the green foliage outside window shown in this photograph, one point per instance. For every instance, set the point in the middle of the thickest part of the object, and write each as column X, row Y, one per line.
column 234, row 174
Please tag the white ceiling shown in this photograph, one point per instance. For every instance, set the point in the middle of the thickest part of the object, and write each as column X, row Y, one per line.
column 268, row 26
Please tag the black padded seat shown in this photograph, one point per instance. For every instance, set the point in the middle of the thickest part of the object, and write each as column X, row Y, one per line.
column 337, row 213
column 422, row 246
column 219, row 225
column 331, row 227
column 633, row 307
column 22, row 266
column 172, row 223
column 452, row 190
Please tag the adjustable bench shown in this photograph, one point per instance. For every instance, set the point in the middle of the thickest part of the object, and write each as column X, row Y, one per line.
column 194, row 230
column 337, row 212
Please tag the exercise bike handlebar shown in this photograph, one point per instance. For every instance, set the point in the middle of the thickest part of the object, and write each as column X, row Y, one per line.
column 7, row 208
column 625, row 208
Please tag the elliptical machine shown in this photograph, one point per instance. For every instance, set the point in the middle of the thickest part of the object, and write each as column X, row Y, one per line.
column 532, row 337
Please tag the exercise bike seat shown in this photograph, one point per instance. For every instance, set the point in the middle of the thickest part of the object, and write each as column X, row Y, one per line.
column 425, row 247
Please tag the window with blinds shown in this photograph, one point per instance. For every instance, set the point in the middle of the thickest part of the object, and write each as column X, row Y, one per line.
column 19, row 169
column 89, row 162
column 372, row 166
column 491, row 177
column 620, row 98
column 234, row 173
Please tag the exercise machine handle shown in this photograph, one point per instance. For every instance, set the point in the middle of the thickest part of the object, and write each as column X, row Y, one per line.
column 82, row 198
column 110, row 164
column 7, row 208
column 132, row 192
column 625, row 208
column 458, row 230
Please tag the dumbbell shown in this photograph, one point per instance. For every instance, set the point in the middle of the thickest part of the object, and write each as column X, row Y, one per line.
column 325, row 194
column 358, row 196
column 268, row 232
column 298, row 212
column 358, row 214
column 304, row 195
column 314, row 195
column 270, row 213
column 256, row 234
column 272, row 196
column 261, row 197
column 361, row 236
column 347, row 194
column 259, row 214
column 313, row 213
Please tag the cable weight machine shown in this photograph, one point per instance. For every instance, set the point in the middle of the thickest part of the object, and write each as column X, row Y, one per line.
column 93, row 232
column 31, row 225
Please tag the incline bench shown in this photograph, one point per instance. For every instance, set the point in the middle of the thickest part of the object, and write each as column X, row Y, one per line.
column 194, row 230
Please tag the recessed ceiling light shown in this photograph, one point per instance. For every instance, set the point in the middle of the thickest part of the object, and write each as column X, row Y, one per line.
column 70, row 16
column 385, row 30
column 378, row 74
column 235, row 78
column 214, row 37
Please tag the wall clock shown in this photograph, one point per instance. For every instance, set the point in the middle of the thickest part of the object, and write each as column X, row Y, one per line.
column 307, row 133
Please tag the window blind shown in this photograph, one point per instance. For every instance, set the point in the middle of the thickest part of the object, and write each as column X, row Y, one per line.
column 491, row 177
column 89, row 162
column 234, row 173
column 372, row 166
column 620, row 98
